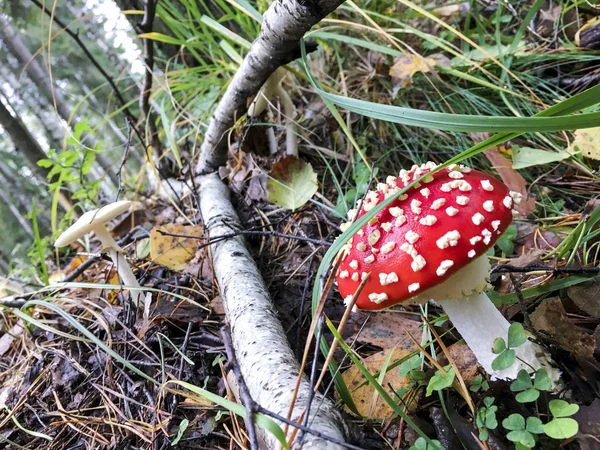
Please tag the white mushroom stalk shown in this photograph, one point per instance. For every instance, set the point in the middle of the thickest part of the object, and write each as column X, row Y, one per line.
column 273, row 88
column 94, row 222
column 480, row 323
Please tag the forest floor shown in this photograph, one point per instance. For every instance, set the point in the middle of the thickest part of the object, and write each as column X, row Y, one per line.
column 82, row 369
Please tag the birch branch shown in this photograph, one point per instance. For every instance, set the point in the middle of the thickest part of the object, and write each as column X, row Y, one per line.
column 284, row 24
column 267, row 363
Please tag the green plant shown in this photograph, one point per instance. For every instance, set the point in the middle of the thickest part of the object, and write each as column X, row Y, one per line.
column 361, row 175
column 504, row 349
column 529, row 391
column 479, row 384
column 486, row 418
column 522, row 432
column 422, row 444
column 440, row 380
column 561, row 426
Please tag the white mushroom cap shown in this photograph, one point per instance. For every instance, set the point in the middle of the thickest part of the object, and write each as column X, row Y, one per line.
column 91, row 221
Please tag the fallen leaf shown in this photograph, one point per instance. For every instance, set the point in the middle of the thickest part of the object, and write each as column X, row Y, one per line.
column 406, row 66
column 450, row 10
column 523, row 157
column 388, row 330
column 465, row 361
column 587, row 142
column 292, row 182
column 170, row 247
column 586, row 295
column 8, row 338
column 367, row 401
column 551, row 318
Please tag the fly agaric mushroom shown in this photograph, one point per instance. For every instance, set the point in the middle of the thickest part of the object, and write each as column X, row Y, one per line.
column 94, row 221
column 430, row 243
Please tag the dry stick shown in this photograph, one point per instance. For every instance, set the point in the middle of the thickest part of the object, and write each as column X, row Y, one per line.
column 263, row 354
column 245, row 396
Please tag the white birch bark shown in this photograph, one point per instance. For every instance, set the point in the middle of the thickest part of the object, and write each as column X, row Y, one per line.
column 284, row 24
column 266, row 361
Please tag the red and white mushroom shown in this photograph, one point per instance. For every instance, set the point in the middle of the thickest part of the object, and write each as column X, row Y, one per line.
column 430, row 243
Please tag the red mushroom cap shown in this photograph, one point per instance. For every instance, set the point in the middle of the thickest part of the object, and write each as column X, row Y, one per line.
column 425, row 236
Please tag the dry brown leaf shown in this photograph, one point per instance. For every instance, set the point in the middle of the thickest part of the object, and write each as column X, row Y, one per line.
column 551, row 318
column 367, row 401
column 406, row 66
column 170, row 247
column 465, row 361
column 586, row 296
column 388, row 330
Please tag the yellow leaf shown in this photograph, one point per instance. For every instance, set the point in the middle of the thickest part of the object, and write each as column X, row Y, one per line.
column 174, row 245
column 292, row 182
column 587, row 142
column 368, row 402
column 406, row 66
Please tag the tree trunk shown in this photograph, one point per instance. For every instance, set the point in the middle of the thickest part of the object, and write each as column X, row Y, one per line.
column 10, row 204
column 27, row 145
column 40, row 77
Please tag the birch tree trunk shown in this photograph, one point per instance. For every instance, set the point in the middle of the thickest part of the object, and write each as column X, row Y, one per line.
column 267, row 363
column 269, row 366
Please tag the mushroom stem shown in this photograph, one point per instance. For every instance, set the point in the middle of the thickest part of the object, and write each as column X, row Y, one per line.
column 123, row 269
column 479, row 323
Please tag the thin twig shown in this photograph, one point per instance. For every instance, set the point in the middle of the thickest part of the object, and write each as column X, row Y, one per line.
column 508, row 268
column 245, row 396
column 267, row 233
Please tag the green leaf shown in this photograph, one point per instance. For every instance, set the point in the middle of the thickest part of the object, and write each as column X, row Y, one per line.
column 560, row 408
column 488, row 401
column 506, row 241
column 292, row 182
column 422, row 444
column 522, row 382
column 526, row 156
column 409, row 365
column 182, row 427
column 440, row 381
column 528, row 396
column 516, row 335
column 499, row 345
column 461, row 122
column 514, row 422
column 523, row 437
column 484, row 434
column 504, row 360
column 561, row 428
column 45, row 163
column 534, row 425
column 542, row 381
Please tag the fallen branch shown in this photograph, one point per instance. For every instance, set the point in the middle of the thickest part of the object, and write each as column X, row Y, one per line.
column 266, row 361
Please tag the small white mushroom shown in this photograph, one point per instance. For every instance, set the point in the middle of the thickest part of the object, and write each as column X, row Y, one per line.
column 94, row 222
